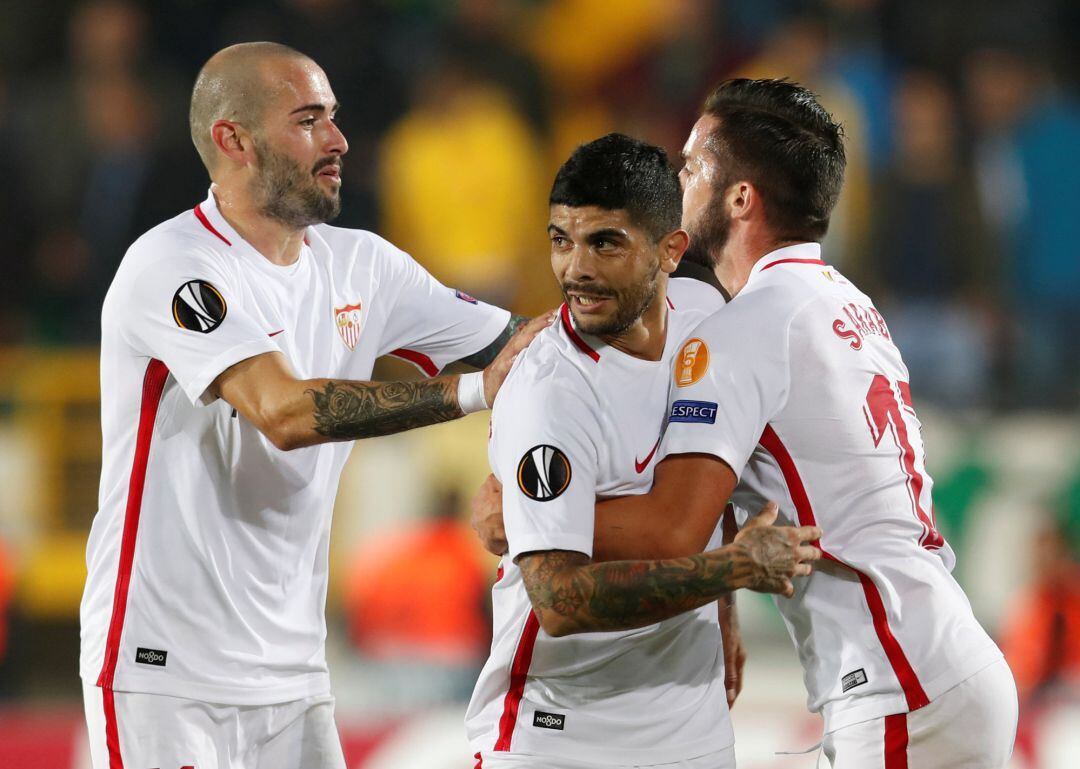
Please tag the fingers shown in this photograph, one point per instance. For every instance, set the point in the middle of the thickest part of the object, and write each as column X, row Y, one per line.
column 808, row 533
column 765, row 517
column 806, row 553
column 786, row 589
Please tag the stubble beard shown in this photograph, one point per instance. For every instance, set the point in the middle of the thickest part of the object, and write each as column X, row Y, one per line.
column 630, row 305
column 285, row 192
column 709, row 233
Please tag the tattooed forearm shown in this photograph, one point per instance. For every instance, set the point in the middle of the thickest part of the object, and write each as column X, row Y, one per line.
column 349, row 410
column 484, row 357
column 572, row 595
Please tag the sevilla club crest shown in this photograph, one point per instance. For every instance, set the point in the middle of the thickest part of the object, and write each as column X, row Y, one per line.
column 347, row 320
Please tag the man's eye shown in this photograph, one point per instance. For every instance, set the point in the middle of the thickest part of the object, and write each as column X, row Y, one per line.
column 308, row 121
column 558, row 240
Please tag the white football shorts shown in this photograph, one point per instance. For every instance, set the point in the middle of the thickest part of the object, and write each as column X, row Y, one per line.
column 971, row 726
column 724, row 759
column 131, row 730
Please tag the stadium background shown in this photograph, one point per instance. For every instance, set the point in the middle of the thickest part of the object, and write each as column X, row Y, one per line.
column 960, row 215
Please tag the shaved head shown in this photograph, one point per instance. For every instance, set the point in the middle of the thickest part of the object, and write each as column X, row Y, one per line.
column 235, row 84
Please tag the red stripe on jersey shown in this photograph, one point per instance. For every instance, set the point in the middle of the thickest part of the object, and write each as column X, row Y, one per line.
column 669, row 303
column 153, row 385
column 418, row 359
column 792, row 261
column 905, row 674
column 206, row 223
column 112, row 733
column 519, row 671
column 573, row 334
column 896, row 741
column 479, row 760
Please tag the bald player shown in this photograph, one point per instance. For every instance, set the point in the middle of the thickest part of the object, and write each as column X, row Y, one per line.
column 237, row 343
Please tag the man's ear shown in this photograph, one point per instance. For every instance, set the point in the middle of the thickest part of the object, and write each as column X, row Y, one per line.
column 743, row 200
column 672, row 247
column 233, row 141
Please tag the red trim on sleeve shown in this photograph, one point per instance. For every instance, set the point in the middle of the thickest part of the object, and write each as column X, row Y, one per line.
column 905, row 674
column 580, row 343
column 418, row 359
column 519, row 672
column 206, row 223
column 896, row 741
column 792, row 261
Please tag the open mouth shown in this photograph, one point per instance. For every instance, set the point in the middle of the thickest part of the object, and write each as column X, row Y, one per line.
column 587, row 303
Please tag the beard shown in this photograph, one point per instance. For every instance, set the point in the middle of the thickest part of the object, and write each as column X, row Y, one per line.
column 630, row 304
column 284, row 191
column 709, row 233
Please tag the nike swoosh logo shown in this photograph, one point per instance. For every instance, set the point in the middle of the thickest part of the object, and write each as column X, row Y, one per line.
column 641, row 465
column 275, row 333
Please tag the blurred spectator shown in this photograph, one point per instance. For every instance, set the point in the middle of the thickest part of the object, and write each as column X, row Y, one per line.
column 930, row 264
column 98, row 148
column 17, row 230
column 7, row 591
column 799, row 50
column 463, row 188
column 1027, row 133
column 416, row 602
column 1041, row 636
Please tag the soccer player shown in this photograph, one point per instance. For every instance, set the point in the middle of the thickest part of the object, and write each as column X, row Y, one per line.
column 580, row 416
column 809, row 403
column 236, row 341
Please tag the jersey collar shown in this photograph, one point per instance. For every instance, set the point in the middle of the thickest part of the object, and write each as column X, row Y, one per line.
column 800, row 253
column 210, row 218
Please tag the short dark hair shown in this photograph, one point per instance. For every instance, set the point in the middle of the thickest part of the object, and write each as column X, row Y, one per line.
column 619, row 172
column 775, row 134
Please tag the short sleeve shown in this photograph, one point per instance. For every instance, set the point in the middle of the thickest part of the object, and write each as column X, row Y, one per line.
column 429, row 323
column 184, row 310
column 546, row 457
column 729, row 378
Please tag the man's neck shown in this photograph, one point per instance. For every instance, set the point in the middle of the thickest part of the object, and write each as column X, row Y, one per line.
column 647, row 337
column 736, row 260
column 278, row 242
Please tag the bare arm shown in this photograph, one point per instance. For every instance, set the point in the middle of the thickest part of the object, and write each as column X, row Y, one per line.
column 294, row 412
column 571, row 594
column 484, row 357
column 676, row 518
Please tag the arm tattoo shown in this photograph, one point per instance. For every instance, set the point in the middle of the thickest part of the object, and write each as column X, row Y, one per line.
column 485, row 356
column 348, row 410
column 621, row 595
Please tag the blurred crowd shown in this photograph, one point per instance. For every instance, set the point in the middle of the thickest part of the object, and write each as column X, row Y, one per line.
column 959, row 214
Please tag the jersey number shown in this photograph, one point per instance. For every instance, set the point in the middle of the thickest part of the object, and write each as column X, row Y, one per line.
column 883, row 415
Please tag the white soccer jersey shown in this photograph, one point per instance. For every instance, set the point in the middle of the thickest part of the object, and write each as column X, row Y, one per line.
column 813, row 410
column 207, row 559
column 575, row 420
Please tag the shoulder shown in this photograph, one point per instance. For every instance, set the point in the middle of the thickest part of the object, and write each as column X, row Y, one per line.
column 345, row 241
column 550, row 370
column 691, row 301
column 179, row 244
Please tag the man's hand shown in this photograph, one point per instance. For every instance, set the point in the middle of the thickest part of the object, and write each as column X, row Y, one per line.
column 487, row 519
column 734, row 651
column 776, row 553
column 496, row 371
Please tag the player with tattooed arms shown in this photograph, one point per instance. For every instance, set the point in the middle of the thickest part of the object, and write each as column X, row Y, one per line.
column 581, row 415
column 796, row 388
column 237, row 343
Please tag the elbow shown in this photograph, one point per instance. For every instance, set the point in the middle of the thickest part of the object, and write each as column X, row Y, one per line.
column 280, row 431
column 555, row 625
column 283, row 439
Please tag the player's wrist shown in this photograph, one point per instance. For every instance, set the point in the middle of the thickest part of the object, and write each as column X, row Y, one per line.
column 470, row 392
